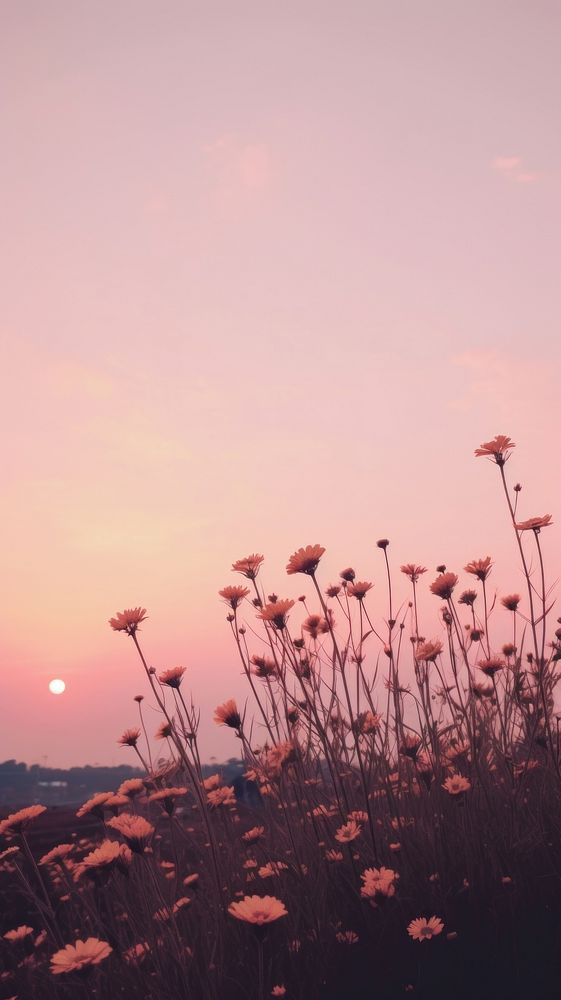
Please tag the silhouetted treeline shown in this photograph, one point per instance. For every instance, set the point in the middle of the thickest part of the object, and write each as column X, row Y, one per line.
column 56, row 785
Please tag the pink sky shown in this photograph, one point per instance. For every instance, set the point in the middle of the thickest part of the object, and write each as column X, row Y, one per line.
column 270, row 274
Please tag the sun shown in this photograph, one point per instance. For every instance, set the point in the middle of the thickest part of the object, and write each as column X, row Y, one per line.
column 57, row 686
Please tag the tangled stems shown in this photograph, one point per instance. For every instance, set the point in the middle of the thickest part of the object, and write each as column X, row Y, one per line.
column 189, row 768
column 524, row 563
column 350, row 709
column 47, row 903
column 143, row 724
column 539, row 655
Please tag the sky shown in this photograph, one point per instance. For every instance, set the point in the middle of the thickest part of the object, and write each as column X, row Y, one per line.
column 271, row 273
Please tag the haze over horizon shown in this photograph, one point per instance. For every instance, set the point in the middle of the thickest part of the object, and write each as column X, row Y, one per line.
column 271, row 276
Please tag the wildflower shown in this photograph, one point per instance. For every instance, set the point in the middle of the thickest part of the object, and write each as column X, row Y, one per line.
column 40, row 939
column 19, row 820
column 233, row 596
column 19, row 933
column 305, row 560
column 56, row 854
column 444, row 585
column 117, row 800
column 456, row 749
column 163, row 731
column 314, row 625
column 378, row 883
column 212, row 782
column 75, row 957
column 333, row 856
column 499, row 449
column 346, row 937
column 491, row 665
column 508, row 650
column 103, row 858
column 348, row 832
column 277, row 757
column 180, row 903
column 510, row 602
column 128, row 621
column 446, row 617
column 347, row 574
column 137, row 953
column 278, row 991
column 167, row 797
column 248, row 567
column 468, row 597
column 456, row 784
column 367, row 722
column 228, row 715
column 129, row 738
column 411, row 745
column 476, row 634
column 479, row 568
column 172, row 678
column 95, row 805
column 8, row 852
column 131, row 787
column 302, row 670
column 359, row 815
column 413, row 571
column 256, row 833
column 424, row 928
column 428, row 651
column 272, row 868
column 264, row 667
column 333, row 590
column 359, row 589
column 322, row 811
column 222, row 797
column 258, row 910
column 136, row 830
column 276, row 613
column 534, row 523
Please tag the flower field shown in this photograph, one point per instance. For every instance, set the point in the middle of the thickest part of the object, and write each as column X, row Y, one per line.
column 397, row 829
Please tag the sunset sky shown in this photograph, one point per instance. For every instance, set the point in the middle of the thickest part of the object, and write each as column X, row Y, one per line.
column 271, row 273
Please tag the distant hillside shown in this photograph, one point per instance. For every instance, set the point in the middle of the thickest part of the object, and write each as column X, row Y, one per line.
column 23, row 784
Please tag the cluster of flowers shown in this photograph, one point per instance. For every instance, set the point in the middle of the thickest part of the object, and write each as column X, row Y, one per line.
column 372, row 750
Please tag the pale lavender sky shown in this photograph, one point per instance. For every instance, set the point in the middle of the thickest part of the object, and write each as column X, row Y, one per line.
column 270, row 274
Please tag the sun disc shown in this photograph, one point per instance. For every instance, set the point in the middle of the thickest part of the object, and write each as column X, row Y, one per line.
column 57, row 686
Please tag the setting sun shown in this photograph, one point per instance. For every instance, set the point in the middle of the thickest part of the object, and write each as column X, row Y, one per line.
column 57, row 686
